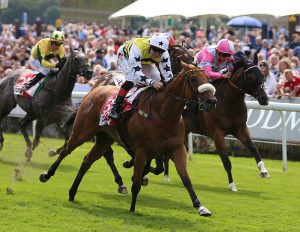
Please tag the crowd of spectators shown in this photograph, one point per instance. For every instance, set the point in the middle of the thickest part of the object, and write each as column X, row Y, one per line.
column 278, row 58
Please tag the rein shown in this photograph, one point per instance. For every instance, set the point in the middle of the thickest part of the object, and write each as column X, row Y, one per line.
column 245, row 71
column 180, row 99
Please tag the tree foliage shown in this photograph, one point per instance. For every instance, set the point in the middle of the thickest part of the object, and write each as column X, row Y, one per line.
column 47, row 10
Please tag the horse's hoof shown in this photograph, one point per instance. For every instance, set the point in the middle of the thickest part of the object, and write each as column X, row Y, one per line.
column 71, row 199
column 52, row 153
column 232, row 187
column 44, row 177
column 28, row 154
column 122, row 189
column 145, row 182
column 265, row 175
column 203, row 211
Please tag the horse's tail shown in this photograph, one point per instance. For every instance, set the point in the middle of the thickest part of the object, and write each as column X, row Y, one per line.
column 71, row 117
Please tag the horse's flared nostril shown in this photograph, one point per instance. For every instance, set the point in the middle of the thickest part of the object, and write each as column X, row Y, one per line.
column 263, row 101
column 89, row 74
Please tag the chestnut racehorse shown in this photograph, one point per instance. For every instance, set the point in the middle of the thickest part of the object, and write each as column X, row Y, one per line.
column 154, row 129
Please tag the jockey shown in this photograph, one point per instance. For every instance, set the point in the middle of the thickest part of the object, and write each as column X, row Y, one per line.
column 44, row 50
column 216, row 59
column 135, row 57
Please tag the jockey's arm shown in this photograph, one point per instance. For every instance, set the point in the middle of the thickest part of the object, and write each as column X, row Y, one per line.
column 205, row 61
column 211, row 74
column 135, row 61
column 165, row 67
column 43, row 52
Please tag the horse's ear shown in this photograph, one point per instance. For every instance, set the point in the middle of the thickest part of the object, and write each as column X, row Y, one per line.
column 184, row 65
column 71, row 51
column 255, row 59
column 172, row 48
column 184, row 44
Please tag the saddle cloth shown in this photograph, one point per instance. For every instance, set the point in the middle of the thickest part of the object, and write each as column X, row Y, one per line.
column 22, row 79
column 130, row 97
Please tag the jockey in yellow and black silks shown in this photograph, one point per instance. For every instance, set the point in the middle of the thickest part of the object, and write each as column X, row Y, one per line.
column 135, row 58
column 41, row 54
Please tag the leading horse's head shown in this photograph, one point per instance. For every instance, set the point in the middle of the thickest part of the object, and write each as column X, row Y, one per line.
column 79, row 64
column 248, row 78
column 196, row 88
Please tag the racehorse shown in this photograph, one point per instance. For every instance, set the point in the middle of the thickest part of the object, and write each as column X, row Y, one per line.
column 158, row 113
column 230, row 114
column 50, row 104
column 177, row 53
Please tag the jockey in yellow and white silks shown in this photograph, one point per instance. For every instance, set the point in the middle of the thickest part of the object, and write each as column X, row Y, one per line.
column 135, row 58
column 41, row 54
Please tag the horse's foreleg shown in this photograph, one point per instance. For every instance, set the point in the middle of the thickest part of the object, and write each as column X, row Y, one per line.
column 244, row 136
column 38, row 130
column 108, row 155
column 139, row 164
column 179, row 158
column 221, row 148
column 24, row 122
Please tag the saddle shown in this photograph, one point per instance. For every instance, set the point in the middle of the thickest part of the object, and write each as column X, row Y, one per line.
column 21, row 81
column 130, row 102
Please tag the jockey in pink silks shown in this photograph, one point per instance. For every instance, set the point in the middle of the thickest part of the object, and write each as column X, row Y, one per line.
column 216, row 59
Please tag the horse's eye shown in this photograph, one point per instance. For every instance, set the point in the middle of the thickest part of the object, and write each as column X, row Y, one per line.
column 194, row 80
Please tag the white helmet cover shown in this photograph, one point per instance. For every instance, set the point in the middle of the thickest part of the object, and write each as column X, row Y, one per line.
column 160, row 41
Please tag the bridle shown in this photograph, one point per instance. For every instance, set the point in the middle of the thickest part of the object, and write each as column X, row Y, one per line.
column 247, row 86
column 78, row 68
column 187, row 80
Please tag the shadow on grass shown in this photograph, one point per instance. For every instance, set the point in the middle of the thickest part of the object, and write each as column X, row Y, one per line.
column 141, row 217
column 220, row 190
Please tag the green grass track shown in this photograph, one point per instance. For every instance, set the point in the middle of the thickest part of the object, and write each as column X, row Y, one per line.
column 259, row 205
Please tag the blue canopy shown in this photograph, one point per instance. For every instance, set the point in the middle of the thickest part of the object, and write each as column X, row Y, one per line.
column 245, row 21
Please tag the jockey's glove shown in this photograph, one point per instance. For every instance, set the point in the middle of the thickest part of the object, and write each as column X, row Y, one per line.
column 60, row 64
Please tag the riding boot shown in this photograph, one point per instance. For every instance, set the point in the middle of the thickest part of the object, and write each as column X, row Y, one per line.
column 33, row 81
column 116, row 107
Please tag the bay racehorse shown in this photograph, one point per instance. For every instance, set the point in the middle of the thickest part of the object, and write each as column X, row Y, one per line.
column 230, row 114
column 50, row 105
column 159, row 133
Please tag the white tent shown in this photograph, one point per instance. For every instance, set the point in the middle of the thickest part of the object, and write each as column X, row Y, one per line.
column 193, row 8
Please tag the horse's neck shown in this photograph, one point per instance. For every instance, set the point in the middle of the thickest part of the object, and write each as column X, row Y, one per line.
column 166, row 106
column 64, row 82
column 229, row 92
